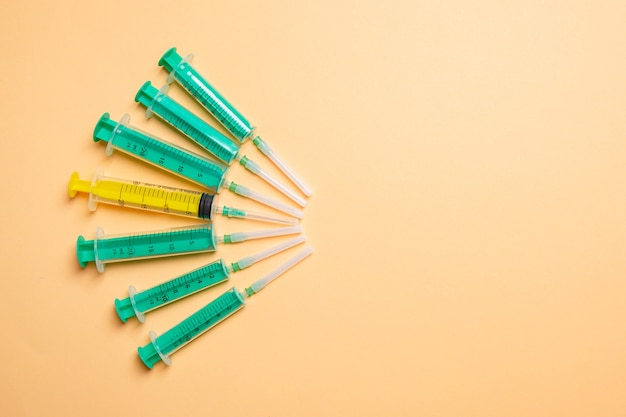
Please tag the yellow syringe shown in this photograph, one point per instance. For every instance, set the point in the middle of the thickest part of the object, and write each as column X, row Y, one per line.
column 160, row 198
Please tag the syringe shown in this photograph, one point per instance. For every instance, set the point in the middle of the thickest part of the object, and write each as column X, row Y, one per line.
column 162, row 347
column 161, row 199
column 159, row 103
column 139, row 303
column 181, row 71
column 176, row 241
column 175, row 160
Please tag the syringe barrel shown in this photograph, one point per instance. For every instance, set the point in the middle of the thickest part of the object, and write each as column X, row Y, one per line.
column 181, row 70
column 163, row 346
column 160, row 153
column 169, row 242
column 151, row 197
column 172, row 290
column 196, row 129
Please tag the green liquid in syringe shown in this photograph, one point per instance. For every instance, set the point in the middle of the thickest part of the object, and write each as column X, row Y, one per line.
column 106, row 249
column 165, row 155
column 182, row 286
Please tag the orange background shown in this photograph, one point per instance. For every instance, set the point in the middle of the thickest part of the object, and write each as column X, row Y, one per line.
column 468, row 215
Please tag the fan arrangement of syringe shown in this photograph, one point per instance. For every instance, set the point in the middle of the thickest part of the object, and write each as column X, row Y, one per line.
column 206, row 171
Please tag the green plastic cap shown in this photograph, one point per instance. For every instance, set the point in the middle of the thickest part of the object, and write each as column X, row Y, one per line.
column 146, row 94
column 124, row 309
column 170, row 60
column 85, row 251
column 148, row 355
column 244, row 161
column 233, row 212
column 104, row 128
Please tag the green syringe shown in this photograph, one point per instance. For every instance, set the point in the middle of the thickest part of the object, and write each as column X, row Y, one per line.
column 176, row 160
column 170, row 242
column 159, row 103
column 170, row 157
column 183, row 72
column 206, row 136
column 137, row 304
column 161, row 199
column 163, row 346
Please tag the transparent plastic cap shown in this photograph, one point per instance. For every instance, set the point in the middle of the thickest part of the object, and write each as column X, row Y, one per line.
column 270, row 202
column 290, row 173
column 256, row 169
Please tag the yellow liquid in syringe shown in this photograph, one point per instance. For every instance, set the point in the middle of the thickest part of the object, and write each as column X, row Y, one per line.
column 143, row 196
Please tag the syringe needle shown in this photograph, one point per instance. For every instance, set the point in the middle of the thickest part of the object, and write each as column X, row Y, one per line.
column 252, row 259
column 257, row 170
column 262, row 283
column 270, row 202
column 254, row 215
column 267, row 151
column 259, row 234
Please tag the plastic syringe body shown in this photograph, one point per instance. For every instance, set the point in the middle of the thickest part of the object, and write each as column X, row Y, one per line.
column 139, row 303
column 118, row 248
column 161, row 199
column 170, row 242
column 167, row 156
column 181, row 70
column 161, row 347
column 159, row 103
